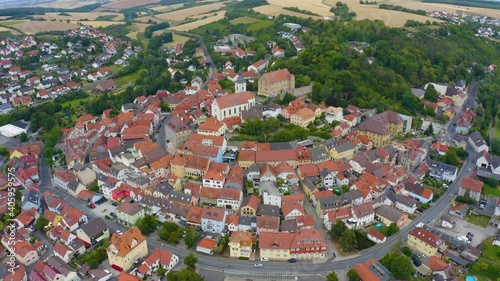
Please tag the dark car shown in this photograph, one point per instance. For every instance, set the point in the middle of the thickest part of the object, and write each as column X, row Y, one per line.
column 112, row 215
column 292, row 261
column 114, row 204
column 470, row 234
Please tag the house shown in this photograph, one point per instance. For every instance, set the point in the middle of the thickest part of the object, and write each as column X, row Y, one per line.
column 212, row 127
column 128, row 213
column 278, row 53
column 57, row 269
column 308, row 244
column 477, row 142
column 24, row 252
column 405, row 203
column 232, row 105
column 93, row 233
column 267, row 223
column 126, row 249
column 424, row 241
column 63, row 178
column 241, row 244
column 471, row 187
column 488, row 162
column 376, row 237
column 389, row 215
column 177, row 131
column 213, row 219
column 459, row 210
column 363, row 215
column 275, row 246
column 342, row 151
column 206, row 245
column 418, row 192
column 303, row 117
column 159, row 258
column 229, row 199
column 63, row 252
column 331, row 217
column 372, row 270
column 258, row 66
column 276, row 82
column 446, row 221
column 382, row 127
column 249, row 206
column 106, row 85
column 291, row 210
column 270, row 193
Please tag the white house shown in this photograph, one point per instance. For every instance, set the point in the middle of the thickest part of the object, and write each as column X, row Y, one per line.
column 376, row 237
column 159, row 258
column 213, row 219
column 270, row 193
column 363, row 215
column 232, row 105
column 477, row 142
column 230, row 199
column 292, row 210
column 489, row 162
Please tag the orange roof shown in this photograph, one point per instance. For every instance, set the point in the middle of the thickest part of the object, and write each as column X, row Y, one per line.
column 277, row 76
column 194, row 214
column 123, row 243
column 437, row 264
column 364, row 272
column 471, row 184
column 246, row 155
column 207, row 243
column 292, row 198
column 289, row 207
column 376, row 234
column 234, row 99
column 426, row 237
column 252, row 201
column 244, row 238
column 280, row 240
column 124, row 276
column 305, row 113
column 211, row 124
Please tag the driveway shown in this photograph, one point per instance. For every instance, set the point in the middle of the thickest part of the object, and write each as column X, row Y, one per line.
column 489, row 210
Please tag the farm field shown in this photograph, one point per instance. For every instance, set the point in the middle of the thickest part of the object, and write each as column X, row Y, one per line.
column 189, row 12
column 272, row 10
column 96, row 23
column 429, row 7
column 124, row 4
column 178, row 39
column 11, row 22
column 65, row 4
column 244, row 20
column 42, row 26
column 198, row 23
column 137, row 27
column 390, row 18
column 164, row 9
column 80, row 16
column 315, row 6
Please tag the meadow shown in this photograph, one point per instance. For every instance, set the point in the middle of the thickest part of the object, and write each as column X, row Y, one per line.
column 182, row 14
column 192, row 25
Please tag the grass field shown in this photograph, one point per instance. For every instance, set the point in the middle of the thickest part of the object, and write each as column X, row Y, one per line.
column 211, row 26
column 137, row 27
column 131, row 78
column 189, row 12
column 11, row 22
column 164, row 9
column 64, row 4
column 480, row 220
column 274, row 10
column 192, row 25
column 490, row 257
column 259, row 25
column 244, row 20
column 490, row 190
column 95, row 23
column 81, row 16
column 75, row 102
column 41, row 26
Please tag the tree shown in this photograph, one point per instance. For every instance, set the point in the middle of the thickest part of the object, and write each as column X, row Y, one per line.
column 41, row 223
column 431, row 94
column 429, row 131
column 332, row 276
column 337, row 229
column 94, row 187
column 407, row 251
column 402, row 268
column 388, row 258
column 184, row 275
column 191, row 238
column 23, row 137
column 190, row 261
column 352, row 275
column 147, row 224
column 348, row 240
column 393, row 229
column 161, row 271
column 492, row 182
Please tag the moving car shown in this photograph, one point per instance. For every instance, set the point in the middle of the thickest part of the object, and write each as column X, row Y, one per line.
column 292, row 261
column 264, row 259
column 259, row 265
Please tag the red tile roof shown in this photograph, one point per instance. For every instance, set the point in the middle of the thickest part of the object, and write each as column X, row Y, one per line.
column 277, row 76
column 471, row 184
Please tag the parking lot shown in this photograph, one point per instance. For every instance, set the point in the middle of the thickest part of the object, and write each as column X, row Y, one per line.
column 9, row 142
column 103, row 209
column 489, row 209
column 462, row 227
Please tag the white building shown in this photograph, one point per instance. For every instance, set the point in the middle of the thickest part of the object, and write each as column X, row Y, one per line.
column 232, row 105
column 270, row 193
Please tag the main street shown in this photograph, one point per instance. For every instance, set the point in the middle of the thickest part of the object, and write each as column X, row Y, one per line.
column 307, row 268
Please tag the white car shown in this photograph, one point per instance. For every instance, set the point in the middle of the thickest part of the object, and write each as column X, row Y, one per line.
column 259, row 265
column 264, row 259
column 119, row 232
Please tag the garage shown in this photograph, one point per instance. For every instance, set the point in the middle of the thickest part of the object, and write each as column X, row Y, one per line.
column 14, row 129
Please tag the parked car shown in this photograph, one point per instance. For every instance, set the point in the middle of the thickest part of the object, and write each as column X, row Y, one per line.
column 259, row 265
column 92, row 205
column 292, row 261
column 470, row 234
column 264, row 259
column 113, row 215
column 119, row 232
column 114, row 204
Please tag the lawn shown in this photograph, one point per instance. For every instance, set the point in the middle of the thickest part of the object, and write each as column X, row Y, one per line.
column 74, row 102
column 115, row 68
column 244, row 20
column 480, row 220
column 490, row 190
column 488, row 265
column 259, row 25
column 210, row 27
column 131, row 78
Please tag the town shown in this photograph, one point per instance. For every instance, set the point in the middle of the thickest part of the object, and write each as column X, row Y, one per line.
column 235, row 165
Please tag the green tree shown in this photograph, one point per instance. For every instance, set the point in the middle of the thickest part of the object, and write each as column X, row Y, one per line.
column 337, row 229
column 431, row 94
column 41, row 223
column 184, row 275
column 23, row 137
column 190, row 261
column 492, row 182
column 348, row 240
column 451, row 157
column 94, row 187
column 161, row 271
column 402, row 268
column 429, row 131
column 191, row 238
column 147, row 224
column 407, row 251
column 388, row 258
column 393, row 229
column 352, row 275
column 4, row 151
column 332, row 276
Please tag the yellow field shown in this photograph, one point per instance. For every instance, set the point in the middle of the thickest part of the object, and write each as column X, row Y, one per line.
column 124, row 4
column 273, row 10
column 209, row 14
column 315, row 6
column 33, row 27
column 373, row 12
column 164, row 9
column 178, row 39
column 189, row 12
column 198, row 23
column 137, row 27
column 97, row 23
column 430, row 7
column 80, row 16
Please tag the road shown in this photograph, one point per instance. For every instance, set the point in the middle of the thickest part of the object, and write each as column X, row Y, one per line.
column 218, row 264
